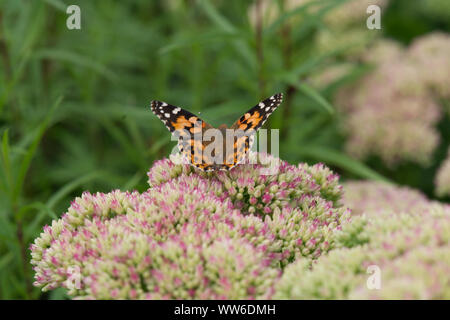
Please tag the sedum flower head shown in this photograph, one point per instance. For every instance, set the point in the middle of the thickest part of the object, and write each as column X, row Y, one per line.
column 393, row 112
column 371, row 198
column 422, row 273
column 253, row 192
column 409, row 247
column 193, row 234
column 430, row 53
column 140, row 256
column 383, row 50
column 308, row 230
column 178, row 269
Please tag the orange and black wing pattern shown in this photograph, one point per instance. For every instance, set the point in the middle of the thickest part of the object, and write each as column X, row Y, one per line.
column 184, row 125
column 254, row 118
column 251, row 121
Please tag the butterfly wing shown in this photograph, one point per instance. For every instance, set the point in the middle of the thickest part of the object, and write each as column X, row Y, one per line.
column 251, row 121
column 176, row 118
column 184, row 125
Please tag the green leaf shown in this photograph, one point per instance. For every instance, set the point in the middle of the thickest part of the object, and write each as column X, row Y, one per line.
column 314, row 20
column 310, row 64
column 6, row 161
column 156, row 146
column 124, row 141
column 239, row 45
column 195, row 39
column 59, row 294
column 214, row 15
column 19, row 285
column 10, row 85
column 76, row 59
column 7, row 232
column 57, row 4
column 279, row 22
column 354, row 73
column 309, row 128
column 32, row 229
column 26, row 161
column 133, row 181
column 6, row 259
column 69, row 187
column 312, row 93
column 133, row 131
column 32, row 206
column 336, row 158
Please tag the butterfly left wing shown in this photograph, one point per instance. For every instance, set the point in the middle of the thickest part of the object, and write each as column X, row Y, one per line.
column 176, row 118
column 251, row 121
column 183, row 124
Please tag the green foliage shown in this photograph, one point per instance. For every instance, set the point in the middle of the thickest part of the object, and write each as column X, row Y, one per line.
column 74, row 104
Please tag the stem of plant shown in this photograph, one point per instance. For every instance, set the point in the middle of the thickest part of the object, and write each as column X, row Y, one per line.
column 290, row 91
column 260, row 48
column 25, row 261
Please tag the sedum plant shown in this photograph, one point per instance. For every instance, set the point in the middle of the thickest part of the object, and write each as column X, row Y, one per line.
column 409, row 246
column 394, row 111
column 222, row 235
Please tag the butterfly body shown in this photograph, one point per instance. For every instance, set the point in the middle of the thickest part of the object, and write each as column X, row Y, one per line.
column 209, row 148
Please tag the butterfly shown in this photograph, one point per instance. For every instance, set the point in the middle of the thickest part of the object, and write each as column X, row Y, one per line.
column 195, row 136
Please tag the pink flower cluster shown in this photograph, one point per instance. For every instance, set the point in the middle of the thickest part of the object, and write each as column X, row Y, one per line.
column 392, row 112
column 192, row 235
column 343, row 32
column 408, row 244
column 372, row 198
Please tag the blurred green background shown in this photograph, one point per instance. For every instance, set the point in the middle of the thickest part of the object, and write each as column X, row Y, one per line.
column 74, row 104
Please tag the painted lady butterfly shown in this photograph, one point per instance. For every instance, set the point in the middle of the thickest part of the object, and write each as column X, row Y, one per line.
column 191, row 132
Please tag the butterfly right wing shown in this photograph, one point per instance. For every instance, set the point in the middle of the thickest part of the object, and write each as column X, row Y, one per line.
column 250, row 122
column 184, row 125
